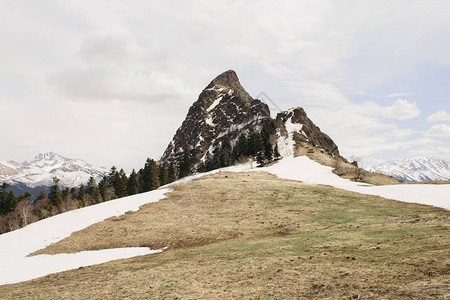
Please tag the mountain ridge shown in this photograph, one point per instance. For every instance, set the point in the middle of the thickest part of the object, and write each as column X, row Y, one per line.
column 415, row 169
column 44, row 166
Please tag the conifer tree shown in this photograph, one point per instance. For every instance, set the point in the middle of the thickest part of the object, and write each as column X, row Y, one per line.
column 81, row 196
column 132, row 186
column 241, row 148
column 258, row 145
column 172, row 172
column 92, row 189
column 185, row 166
column 260, row 157
column 226, row 149
column 251, row 144
column 103, row 189
column 216, row 158
column 150, row 176
column 276, row 152
column 112, row 176
column 4, row 206
column 268, row 151
column 255, row 144
column 91, row 186
column 163, row 174
column 119, row 183
column 27, row 195
column 65, row 193
column 208, row 161
column 41, row 195
column 65, row 196
column 55, row 195
column 265, row 135
column 123, row 182
column 8, row 200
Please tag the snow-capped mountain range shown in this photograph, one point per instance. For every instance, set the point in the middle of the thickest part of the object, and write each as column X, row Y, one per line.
column 41, row 170
column 415, row 169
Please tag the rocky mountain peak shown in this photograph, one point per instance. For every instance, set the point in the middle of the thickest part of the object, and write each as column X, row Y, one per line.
column 227, row 79
column 224, row 110
column 48, row 156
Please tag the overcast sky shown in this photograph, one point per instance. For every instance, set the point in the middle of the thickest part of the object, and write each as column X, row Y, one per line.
column 111, row 81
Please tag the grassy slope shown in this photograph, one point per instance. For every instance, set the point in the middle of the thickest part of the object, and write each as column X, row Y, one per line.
column 255, row 236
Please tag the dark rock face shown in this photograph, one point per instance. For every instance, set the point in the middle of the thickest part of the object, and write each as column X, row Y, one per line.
column 223, row 108
column 295, row 124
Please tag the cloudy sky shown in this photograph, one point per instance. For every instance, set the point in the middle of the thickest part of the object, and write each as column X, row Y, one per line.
column 111, row 81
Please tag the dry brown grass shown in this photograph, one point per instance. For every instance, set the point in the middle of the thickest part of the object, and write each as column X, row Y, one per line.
column 237, row 235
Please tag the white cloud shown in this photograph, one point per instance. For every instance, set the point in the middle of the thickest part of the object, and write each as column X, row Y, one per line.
column 440, row 131
column 440, row 115
column 118, row 69
column 358, row 129
column 113, row 67
column 395, row 95
column 402, row 110
column 434, row 150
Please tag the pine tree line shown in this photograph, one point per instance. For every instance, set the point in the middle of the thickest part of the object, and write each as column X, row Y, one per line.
column 255, row 145
column 16, row 212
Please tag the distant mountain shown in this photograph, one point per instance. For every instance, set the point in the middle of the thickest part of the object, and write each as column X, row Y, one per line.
column 40, row 171
column 416, row 169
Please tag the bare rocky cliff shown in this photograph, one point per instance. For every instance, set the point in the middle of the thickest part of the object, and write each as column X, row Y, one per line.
column 225, row 109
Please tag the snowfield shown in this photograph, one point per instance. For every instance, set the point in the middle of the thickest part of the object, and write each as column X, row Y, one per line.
column 15, row 266
column 304, row 169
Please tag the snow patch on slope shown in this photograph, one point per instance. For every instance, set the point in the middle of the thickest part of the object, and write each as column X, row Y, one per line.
column 304, row 169
column 15, row 266
column 286, row 144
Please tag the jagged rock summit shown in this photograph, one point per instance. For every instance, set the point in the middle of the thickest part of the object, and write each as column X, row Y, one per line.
column 224, row 109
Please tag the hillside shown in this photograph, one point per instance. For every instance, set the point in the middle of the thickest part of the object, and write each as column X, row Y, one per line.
column 260, row 236
column 304, row 223
column 255, row 235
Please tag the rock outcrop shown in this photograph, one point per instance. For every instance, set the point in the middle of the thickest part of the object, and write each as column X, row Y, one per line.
column 294, row 126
